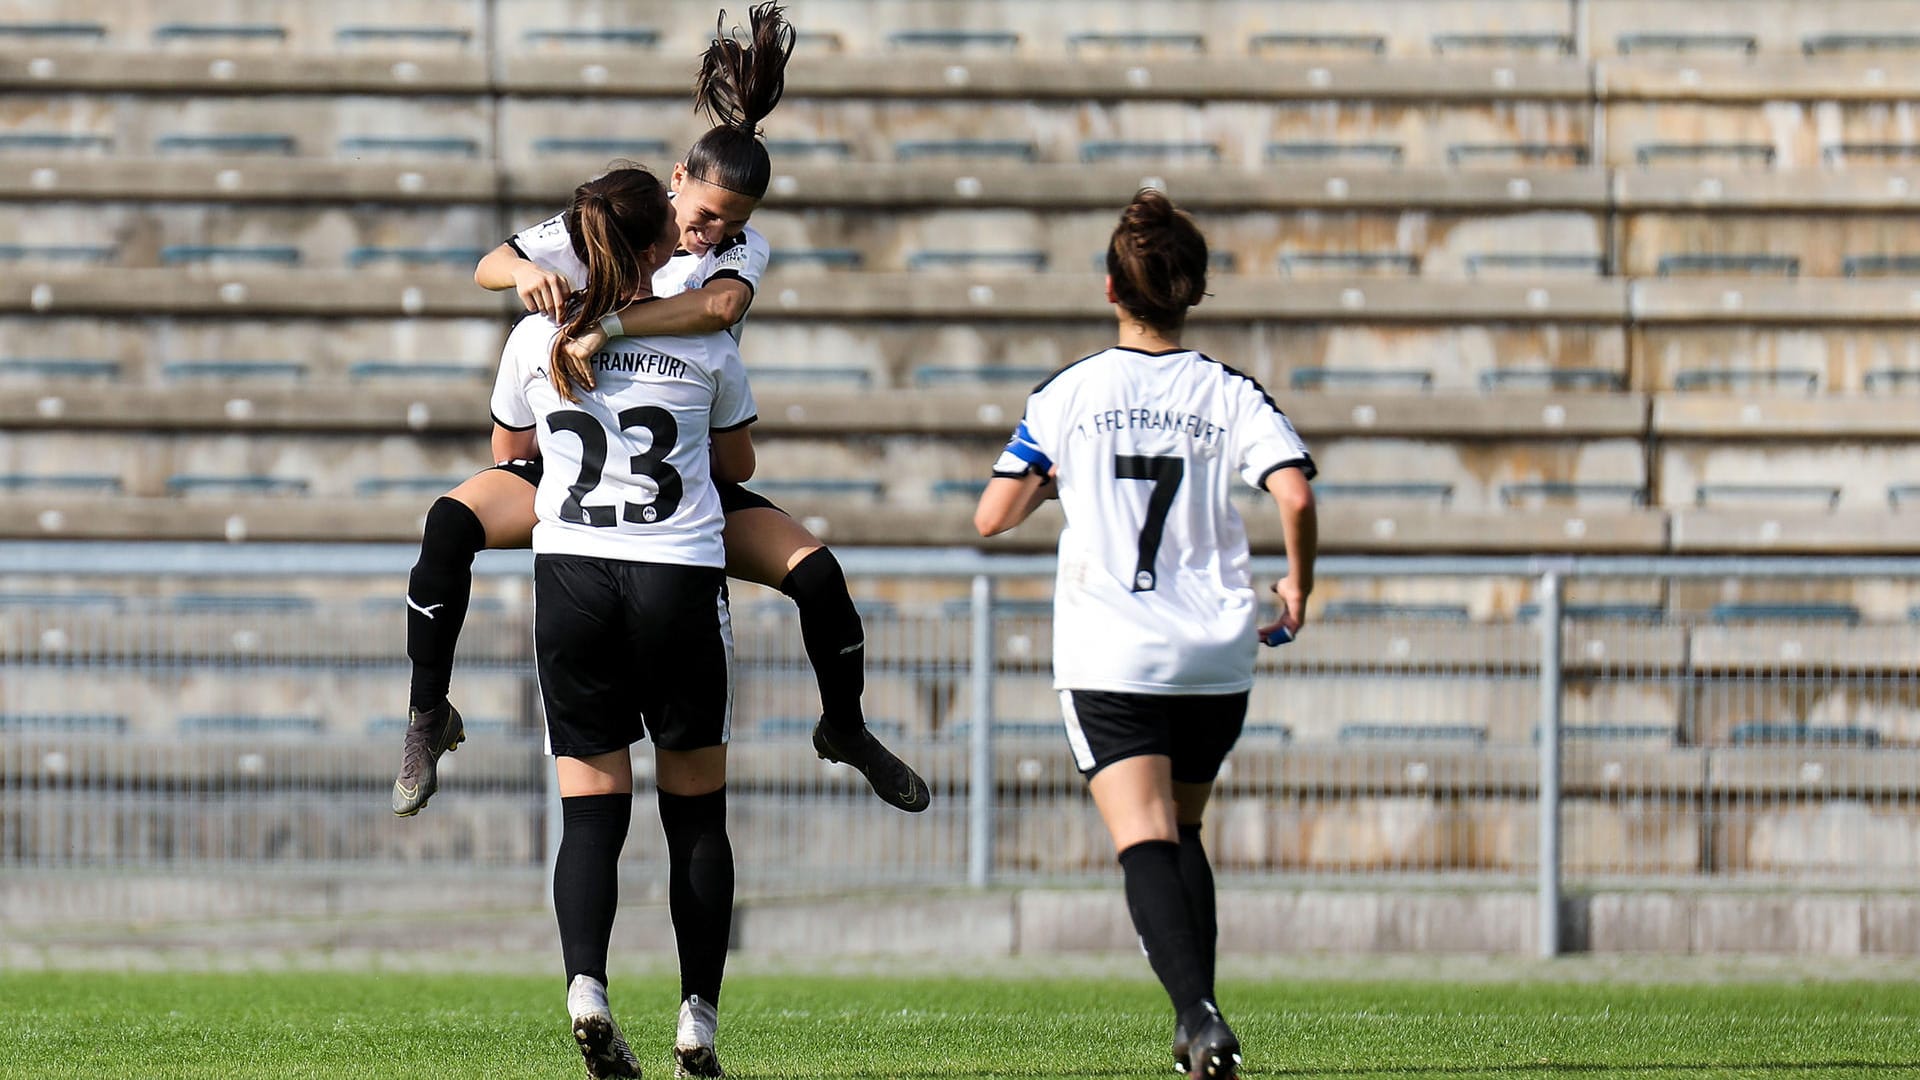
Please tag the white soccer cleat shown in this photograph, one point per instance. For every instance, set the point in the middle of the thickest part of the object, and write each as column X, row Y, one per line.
column 693, row 1053
column 600, row 1040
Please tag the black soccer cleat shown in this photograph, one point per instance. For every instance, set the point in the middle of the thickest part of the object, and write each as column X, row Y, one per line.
column 893, row 780
column 1214, row 1053
column 1181, row 1043
column 429, row 734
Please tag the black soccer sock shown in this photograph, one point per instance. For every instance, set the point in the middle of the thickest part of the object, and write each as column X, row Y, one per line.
column 699, row 887
column 1196, row 876
column 1157, row 899
column 835, row 640
column 437, row 595
column 586, row 878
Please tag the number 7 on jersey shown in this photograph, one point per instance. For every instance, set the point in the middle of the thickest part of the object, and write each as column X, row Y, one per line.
column 1166, row 473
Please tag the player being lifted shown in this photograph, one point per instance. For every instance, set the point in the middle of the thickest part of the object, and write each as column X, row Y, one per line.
column 630, row 618
column 1154, row 612
column 705, row 286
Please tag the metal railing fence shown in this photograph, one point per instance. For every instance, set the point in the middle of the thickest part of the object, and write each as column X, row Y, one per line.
column 1675, row 741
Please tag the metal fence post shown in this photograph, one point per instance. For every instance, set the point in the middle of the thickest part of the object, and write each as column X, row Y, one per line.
column 980, row 787
column 1551, row 685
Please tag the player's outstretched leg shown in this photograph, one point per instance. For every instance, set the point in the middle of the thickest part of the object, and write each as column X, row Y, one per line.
column 438, row 591
column 429, row 734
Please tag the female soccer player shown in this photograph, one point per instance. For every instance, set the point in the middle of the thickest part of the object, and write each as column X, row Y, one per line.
column 1154, row 612
column 630, row 619
column 707, row 286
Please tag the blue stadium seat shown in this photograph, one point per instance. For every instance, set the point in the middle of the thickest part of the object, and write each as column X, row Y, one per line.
column 1337, row 610
column 1523, row 42
column 1667, row 41
column 41, row 141
column 1888, row 378
column 358, row 35
column 954, row 39
column 1375, row 44
column 78, row 482
column 1507, row 153
column 1766, row 733
column 418, row 369
column 1548, row 378
column 1838, row 153
column 831, row 486
column 1261, row 731
column 920, row 149
column 1467, row 733
column 248, row 724
column 1728, row 263
column 1320, row 152
column 987, row 374
column 1101, row 151
column 828, row 258
column 1565, row 491
column 1904, row 265
column 787, row 149
column 1536, row 262
column 1613, row 733
column 190, row 484
column 241, row 603
column 94, row 253
column 490, row 726
column 234, row 369
column 962, row 489
column 457, row 257
column 71, row 601
column 409, row 144
column 1827, row 496
column 1898, row 494
column 1622, row 612
column 374, row 487
column 1137, row 39
column 259, row 142
column 1010, row 729
column 811, row 373
column 1035, row 261
column 1764, row 611
column 62, row 28
column 1746, row 378
column 62, row 724
column 817, row 41
column 586, row 146
column 270, row 254
column 60, row 367
column 625, row 36
column 1393, row 489
column 1320, row 378
column 1816, row 44
column 196, row 32
column 1654, row 153
column 801, row 727
column 1349, row 261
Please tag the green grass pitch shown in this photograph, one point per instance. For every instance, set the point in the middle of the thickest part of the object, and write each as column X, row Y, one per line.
column 417, row 1027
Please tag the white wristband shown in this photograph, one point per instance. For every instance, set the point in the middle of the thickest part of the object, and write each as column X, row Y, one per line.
column 610, row 325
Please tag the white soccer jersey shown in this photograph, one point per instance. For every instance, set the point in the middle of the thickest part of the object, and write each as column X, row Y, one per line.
column 1153, row 594
column 628, row 472
column 743, row 257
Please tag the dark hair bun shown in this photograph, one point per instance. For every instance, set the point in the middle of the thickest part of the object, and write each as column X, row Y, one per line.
column 1157, row 260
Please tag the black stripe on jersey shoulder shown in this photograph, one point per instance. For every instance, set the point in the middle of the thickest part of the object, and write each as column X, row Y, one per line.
column 1304, row 464
column 736, row 427
column 730, row 274
column 729, row 243
column 1238, row 374
column 514, row 243
column 502, row 423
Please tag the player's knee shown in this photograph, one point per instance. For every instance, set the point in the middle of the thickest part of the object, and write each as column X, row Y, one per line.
column 691, row 821
column 453, row 533
column 816, row 578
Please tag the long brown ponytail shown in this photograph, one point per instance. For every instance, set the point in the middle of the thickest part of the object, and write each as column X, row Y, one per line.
column 611, row 221
column 737, row 87
column 1157, row 260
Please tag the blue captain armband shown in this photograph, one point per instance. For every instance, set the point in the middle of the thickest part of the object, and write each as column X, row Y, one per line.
column 1022, row 456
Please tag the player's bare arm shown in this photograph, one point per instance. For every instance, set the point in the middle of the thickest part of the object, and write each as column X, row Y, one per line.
column 732, row 456
column 711, row 308
column 1008, row 501
column 539, row 288
column 1300, row 525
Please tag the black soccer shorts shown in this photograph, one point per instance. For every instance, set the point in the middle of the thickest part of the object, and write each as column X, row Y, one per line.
column 626, row 650
column 1195, row 730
